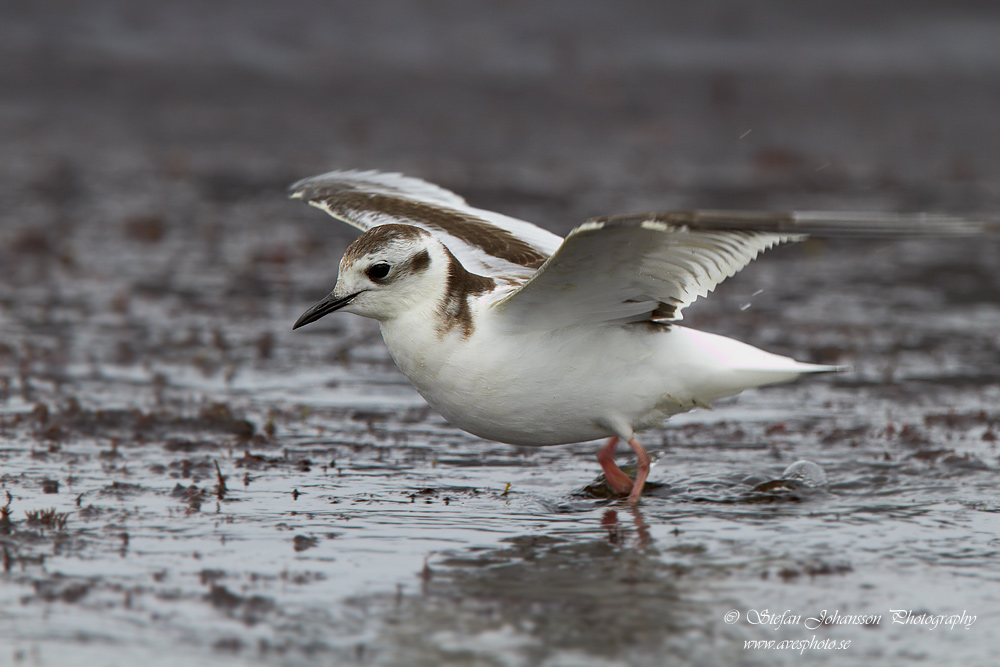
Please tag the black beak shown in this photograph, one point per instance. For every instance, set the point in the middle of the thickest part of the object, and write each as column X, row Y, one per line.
column 324, row 307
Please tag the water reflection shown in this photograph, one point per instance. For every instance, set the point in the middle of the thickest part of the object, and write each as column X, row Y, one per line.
column 554, row 599
column 617, row 535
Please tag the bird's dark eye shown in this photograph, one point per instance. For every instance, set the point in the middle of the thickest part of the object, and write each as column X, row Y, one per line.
column 378, row 271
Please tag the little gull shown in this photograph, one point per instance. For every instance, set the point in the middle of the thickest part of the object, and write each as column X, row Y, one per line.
column 517, row 335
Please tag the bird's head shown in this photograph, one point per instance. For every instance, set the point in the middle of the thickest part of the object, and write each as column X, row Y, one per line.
column 387, row 270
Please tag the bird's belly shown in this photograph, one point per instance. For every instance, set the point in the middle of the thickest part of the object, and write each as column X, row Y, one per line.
column 523, row 419
column 541, row 394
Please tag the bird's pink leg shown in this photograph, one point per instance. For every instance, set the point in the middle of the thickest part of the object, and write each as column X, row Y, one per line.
column 641, row 474
column 617, row 480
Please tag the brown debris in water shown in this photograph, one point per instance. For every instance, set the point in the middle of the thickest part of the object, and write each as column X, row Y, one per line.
column 48, row 518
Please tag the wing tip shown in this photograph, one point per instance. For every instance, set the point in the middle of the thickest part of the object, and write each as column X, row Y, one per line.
column 309, row 187
column 372, row 181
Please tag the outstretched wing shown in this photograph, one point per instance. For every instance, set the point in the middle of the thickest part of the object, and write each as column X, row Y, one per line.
column 611, row 269
column 651, row 266
column 485, row 242
column 630, row 270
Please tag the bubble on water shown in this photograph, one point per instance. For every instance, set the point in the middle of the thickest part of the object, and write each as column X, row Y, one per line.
column 807, row 472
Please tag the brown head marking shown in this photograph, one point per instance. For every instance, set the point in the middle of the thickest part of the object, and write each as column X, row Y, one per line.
column 379, row 236
column 419, row 263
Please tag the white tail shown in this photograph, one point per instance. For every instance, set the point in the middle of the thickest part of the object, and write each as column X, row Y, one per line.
column 722, row 366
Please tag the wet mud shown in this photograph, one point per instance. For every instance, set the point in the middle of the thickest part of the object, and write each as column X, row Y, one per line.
column 182, row 478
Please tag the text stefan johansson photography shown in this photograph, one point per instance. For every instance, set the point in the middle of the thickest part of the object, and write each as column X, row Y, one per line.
column 898, row 616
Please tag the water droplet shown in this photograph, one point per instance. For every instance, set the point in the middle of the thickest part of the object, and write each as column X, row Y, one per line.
column 750, row 302
column 807, row 472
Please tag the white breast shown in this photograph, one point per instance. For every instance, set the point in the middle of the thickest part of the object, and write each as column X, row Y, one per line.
column 566, row 386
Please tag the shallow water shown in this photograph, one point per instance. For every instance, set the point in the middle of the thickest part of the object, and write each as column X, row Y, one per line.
column 190, row 481
column 354, row 524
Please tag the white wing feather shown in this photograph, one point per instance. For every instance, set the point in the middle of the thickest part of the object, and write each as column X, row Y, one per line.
column 630, row 270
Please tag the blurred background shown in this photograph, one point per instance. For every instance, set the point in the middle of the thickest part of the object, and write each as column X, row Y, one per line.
column 151, row 267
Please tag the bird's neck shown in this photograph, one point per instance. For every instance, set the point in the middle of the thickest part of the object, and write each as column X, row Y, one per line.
column 416, row 346
column 422, row 338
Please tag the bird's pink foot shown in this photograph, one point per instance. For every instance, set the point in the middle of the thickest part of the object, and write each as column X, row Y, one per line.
column 619, row 481
column 641, row 474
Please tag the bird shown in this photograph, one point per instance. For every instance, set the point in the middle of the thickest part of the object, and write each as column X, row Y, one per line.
column 517, row 335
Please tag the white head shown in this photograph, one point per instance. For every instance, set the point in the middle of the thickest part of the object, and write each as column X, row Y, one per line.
column 387, row 270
